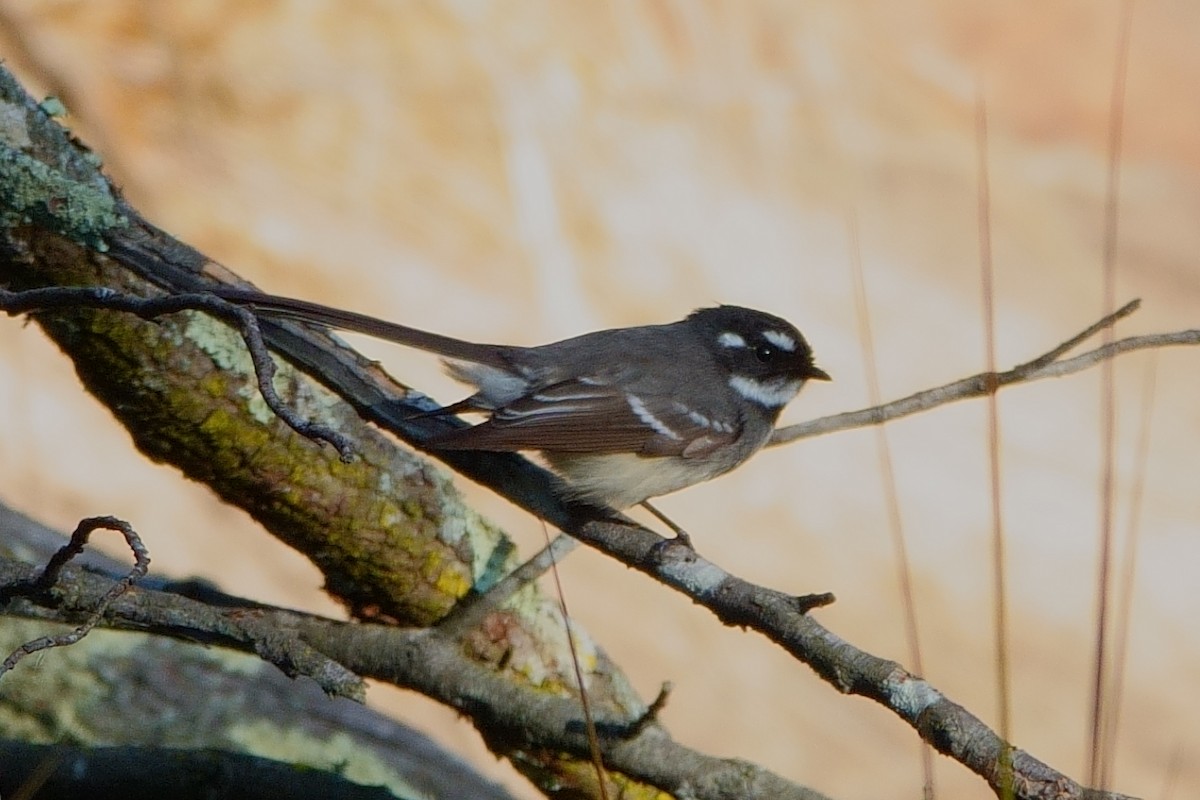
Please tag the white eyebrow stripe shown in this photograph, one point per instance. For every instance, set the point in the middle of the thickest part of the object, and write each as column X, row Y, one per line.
column 654, row 423
column 780, row 339
column 731, row 339
column 770, row 394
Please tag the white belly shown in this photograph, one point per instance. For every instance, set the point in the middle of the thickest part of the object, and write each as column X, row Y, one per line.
column 622, row 480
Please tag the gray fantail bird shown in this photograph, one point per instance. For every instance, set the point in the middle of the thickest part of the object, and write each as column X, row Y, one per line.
column 622, row 415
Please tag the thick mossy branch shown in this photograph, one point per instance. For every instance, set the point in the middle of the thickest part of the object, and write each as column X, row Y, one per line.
column 185, row 390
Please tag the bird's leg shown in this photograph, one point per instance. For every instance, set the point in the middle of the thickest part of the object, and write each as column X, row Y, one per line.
column 681, row 536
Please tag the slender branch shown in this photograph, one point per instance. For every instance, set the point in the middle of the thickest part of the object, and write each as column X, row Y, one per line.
column 947, row 726
column 1102, row 324
column 105, row 708
column 980, row 385
column 425, row 660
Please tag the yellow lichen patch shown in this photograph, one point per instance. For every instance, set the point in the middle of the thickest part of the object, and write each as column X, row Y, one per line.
column 580, row 775
column 452, row 581
column 335, row 753
column 224, row 425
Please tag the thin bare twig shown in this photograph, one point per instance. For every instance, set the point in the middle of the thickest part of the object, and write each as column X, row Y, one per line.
column 891, row 495
column 999, row 560
column 1108, row 402
column 1125, row 589
column 54, row 569
column 585, row 704
column 233, row 622
column 983, row 383
column 56, row 298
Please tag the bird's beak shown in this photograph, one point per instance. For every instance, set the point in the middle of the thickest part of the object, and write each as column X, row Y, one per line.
column 815, row 373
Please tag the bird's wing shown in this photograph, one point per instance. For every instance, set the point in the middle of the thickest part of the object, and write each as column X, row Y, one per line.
column 590, row 415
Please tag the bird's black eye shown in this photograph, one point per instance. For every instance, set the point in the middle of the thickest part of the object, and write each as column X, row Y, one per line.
column 764, row 353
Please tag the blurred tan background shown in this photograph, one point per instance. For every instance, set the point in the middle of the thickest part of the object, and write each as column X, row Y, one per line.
column 524, row 171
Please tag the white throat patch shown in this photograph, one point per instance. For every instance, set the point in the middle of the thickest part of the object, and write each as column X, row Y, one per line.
column 771, row 394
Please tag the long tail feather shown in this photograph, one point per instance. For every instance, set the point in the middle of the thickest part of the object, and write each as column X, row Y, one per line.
column 305, row 311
